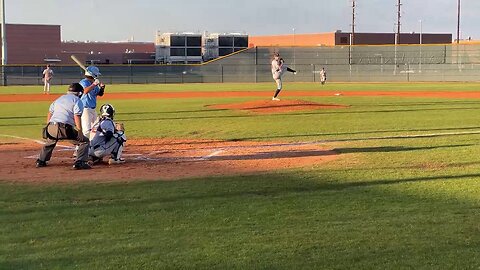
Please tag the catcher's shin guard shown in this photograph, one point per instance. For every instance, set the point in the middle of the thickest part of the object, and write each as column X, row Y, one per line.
column 117, row 154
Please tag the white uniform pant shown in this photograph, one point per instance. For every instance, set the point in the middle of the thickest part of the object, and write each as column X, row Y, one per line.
column 46, row 86
column 89, row 116
column 277, row 76
column 111, row 148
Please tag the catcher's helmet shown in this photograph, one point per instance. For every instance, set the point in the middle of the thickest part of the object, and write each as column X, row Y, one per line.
column 107, row 110
column 92, row 71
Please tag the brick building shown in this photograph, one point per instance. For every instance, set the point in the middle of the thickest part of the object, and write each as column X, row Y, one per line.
column 343, row 38
column 40, row 44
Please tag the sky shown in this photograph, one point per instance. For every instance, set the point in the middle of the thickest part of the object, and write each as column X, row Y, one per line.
column 120, row 20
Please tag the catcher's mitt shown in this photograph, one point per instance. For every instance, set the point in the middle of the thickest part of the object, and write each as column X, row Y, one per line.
column 120, row 127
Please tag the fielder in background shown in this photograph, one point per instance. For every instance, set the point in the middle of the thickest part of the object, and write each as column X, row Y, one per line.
column 64, row 123
column 47, row 75
column 92, row 88
column 323, row 76
column 278, row 68
column 109, row 139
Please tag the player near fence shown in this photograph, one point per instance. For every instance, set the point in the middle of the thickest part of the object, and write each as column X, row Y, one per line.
column 64, row 123
column 323, row 76
column 92, row 89
column 47, row 75
column 109, row 139
column 278, row 68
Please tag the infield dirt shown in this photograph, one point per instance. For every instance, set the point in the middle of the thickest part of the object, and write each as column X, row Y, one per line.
column 161, row 159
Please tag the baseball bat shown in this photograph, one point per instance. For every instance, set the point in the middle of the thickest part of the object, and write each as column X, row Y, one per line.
column 80, row 64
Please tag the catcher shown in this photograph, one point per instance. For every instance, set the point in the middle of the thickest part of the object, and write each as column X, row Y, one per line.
column 109, row 139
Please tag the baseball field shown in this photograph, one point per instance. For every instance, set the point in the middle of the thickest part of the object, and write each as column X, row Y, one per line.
column 218, row 176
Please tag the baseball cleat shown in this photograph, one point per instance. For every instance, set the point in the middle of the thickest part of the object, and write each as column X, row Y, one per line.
column 81, row 165
column 96, row 160
column 40, row 164
column 295, row 73
column 276, row 99
column 116, row 161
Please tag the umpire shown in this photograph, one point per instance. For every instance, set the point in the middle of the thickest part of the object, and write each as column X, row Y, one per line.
column 64, row 123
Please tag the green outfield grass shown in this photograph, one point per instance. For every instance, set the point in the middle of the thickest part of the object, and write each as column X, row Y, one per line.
column 290, row 86
column 386, row 203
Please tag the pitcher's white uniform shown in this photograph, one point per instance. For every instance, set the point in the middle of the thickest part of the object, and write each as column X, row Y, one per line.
column 47, row 76
column 277, row 72
column 278, row 68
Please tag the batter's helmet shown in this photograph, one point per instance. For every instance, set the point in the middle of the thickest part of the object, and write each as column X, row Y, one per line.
column 92, row 71
column 107, row 110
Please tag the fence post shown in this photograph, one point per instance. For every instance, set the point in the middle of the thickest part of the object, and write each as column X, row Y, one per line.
column 130, row 79
column 313, row 71
column 4, row 76
column 408, row 72
column 255, row 70
column 222, row 72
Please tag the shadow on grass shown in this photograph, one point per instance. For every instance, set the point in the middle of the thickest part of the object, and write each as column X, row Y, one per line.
column 386, row 149
column 310, row 113
column 281, row 218
column 356, row 133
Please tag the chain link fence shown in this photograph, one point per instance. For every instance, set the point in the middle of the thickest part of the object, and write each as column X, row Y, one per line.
column 343, row 64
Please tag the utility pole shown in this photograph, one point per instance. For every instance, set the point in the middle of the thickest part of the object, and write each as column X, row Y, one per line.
column 353, row 22
column 399, row 15
column 4, row 43
column 458, row 22
column 352, row 35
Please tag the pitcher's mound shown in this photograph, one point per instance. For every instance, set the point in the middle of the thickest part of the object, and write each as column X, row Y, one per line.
column 281, row 106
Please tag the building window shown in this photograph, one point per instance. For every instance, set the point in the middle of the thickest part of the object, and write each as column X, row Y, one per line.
column 224, row 51
column 177, row 51
column 178, row 41
column 194, row 41
column 225, row 41
column 194, row 52
column 241, row 42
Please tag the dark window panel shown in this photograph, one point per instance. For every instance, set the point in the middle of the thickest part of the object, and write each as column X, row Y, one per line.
column 177, row 41
column 225, row 41
column 224, row 51
column 194, row 41
column 194, row 52
column 177, row 51
column 241, row 42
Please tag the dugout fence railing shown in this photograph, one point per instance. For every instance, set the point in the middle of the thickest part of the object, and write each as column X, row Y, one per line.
column 343, row 64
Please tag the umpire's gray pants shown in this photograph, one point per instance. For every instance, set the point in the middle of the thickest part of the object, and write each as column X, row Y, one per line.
column 61, row 131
